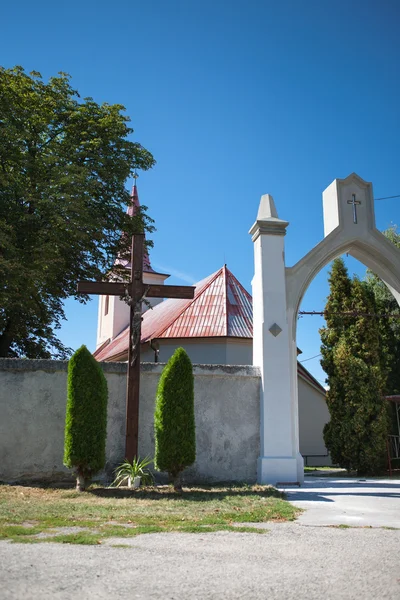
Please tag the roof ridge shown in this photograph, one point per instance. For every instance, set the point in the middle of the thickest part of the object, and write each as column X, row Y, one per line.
column 191, row 302
column 225, row 268
column 102, row 346
column 250, row 297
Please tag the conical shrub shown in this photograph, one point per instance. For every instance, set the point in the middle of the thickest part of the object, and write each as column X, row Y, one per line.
column 86, row 417
column 174, row 417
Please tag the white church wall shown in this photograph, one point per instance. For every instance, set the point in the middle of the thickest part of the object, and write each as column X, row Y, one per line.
column 32, row 416
column 205, row 351
column 232, row 351
column 313, row 415
column 120, row 317
column 113, row 320
column 239, row 351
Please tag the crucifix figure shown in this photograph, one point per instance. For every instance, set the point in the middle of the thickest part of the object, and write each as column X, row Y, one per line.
column 135, row 291
column 354, row 202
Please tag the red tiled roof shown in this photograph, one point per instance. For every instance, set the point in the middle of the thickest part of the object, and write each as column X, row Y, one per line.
column 221, row 307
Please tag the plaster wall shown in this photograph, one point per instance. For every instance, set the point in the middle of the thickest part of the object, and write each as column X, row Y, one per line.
column 112, row 323
column 32, row 415
column 222, row 352
column 239, row 352
column 199, row 351
column 313, row 415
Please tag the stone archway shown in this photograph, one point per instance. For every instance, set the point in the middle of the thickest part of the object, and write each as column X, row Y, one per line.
column 349, row 226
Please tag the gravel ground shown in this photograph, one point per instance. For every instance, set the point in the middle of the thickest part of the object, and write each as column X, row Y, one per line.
column 290, row 561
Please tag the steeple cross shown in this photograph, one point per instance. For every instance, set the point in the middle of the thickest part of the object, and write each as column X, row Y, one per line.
column 354, row 202
column 135, row 292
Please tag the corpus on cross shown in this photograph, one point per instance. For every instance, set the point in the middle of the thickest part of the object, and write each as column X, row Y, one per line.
column 135, row 291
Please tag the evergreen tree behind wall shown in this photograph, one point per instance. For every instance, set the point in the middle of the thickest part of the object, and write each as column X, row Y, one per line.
column 353, row 359
column 338, row 301
column 389, row 327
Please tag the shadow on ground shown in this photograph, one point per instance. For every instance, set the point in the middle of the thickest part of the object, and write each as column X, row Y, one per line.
column 326, row 491
column 202, row 494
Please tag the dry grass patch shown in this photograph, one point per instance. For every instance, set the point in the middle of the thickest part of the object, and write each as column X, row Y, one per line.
column 104, row 512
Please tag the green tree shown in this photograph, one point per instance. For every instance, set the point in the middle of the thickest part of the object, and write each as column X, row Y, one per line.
column 339, row 301
column 364, row 426
column 86, row 417
column 357, row 432
column 174, row 421
column 389, row 327
column 64, row 162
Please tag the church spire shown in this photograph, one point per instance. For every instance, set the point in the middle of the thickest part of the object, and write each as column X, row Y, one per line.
column 131, row 211
column 135, row 204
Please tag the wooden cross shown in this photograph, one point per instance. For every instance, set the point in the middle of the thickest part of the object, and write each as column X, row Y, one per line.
column 354, row 202
column 135, row 291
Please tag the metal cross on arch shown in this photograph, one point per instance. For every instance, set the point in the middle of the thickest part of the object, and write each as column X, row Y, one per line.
column 355, row 203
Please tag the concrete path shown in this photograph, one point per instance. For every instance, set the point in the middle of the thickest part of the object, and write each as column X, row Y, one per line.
column 344, row 501
column 287, row 562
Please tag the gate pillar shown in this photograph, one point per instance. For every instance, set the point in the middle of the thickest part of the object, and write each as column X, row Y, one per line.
column 280, row 460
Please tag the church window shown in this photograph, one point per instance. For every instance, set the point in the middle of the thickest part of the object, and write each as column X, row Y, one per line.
column 106, row 301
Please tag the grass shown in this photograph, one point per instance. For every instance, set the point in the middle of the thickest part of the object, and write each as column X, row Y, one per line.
column 349, row 474
column 325, row 469
column 99, row 513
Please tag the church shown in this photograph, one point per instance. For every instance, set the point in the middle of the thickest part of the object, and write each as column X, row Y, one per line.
column 215, row 327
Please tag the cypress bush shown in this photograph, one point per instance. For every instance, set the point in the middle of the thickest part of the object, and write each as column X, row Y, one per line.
column 356, row 436
column 353, row 358
column 86, row 417
column 174, row 417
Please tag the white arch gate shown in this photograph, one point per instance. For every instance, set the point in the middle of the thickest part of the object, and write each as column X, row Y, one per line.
column 349, row 226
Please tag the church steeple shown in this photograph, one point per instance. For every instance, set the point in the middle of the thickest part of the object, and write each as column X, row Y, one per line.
column 131, row 211
column 113, row 312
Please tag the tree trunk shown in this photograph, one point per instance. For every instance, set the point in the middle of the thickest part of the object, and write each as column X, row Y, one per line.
column 177, row 483
column 80, row 482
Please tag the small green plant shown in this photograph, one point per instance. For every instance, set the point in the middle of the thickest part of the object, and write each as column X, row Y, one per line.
column 174, row 421
column 137, row 468
column 86, row 417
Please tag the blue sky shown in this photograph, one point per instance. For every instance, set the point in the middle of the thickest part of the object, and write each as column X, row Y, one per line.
column 234, row 99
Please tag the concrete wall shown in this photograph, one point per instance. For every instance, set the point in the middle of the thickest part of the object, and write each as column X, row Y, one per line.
column 32, row 414
column 313, row 415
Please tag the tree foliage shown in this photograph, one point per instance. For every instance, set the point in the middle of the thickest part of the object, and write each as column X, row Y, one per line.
column 352, row 358
column 338, row 301
column 389, row 327
column 64, row 162
column 86, row 416
column 174, row 417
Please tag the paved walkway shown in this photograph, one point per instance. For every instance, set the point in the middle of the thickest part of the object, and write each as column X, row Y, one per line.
column 345, row 501
column 288, row 562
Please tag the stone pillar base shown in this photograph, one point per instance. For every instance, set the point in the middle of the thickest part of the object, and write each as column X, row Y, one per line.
column 272, row 470
column 300, row 468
